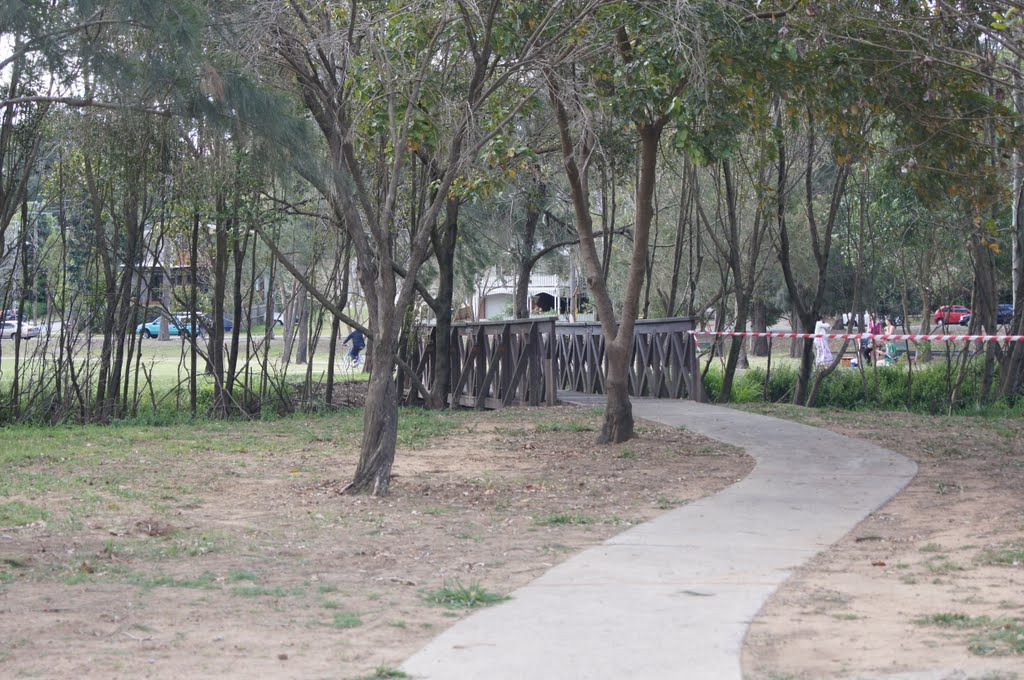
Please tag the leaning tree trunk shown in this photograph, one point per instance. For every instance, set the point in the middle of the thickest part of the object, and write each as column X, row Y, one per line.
column 380, row 426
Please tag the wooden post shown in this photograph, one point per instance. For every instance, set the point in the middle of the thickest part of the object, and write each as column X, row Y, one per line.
column 533, row 367
column 551, row 365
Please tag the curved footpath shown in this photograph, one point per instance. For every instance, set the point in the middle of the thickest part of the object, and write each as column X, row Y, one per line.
column 672, row 598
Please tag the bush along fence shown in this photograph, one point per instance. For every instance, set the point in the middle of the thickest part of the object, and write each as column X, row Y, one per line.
column 927, row 373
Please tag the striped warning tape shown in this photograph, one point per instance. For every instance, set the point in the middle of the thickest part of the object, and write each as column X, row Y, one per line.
column 867, row 336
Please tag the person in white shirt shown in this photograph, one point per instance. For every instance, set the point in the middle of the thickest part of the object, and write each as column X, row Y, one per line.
column 822, row 352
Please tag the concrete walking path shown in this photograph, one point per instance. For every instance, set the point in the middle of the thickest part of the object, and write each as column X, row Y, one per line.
column 673, row 597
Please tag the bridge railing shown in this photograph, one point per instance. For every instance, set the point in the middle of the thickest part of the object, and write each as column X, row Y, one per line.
column 495, row 364
column 663, row 365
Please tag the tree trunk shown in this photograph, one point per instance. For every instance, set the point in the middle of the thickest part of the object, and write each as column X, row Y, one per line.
column 269, row 320
column 268, row 328
column 677, row 251
column 290, row 311
column 332, row 353
column 444, row 250
column 302, row 347
column 983, row 318
column 239, row 243
column 215, row 350
column 797, row 327
column 803, row 380
column 618, row 413
column 1017, row 275
column 193, row 270
column 521, row 298
column 380, row 427
column 759, row 324
column 618, row 419
column 166, row 301
column 732, row 361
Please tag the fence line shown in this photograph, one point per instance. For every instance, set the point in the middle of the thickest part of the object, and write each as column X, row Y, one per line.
column 864, row 336
column 527, row 361
column 663, row 365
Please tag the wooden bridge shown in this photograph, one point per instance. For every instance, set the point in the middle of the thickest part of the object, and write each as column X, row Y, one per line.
column 527, row 361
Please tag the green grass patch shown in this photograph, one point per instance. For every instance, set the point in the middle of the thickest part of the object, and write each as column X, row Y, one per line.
column 942, row 566
column 384, row 673
column 949, row 620
column 568, row 426
column 259, row 591
column 206, row 580
column 416, row 425
column 238, row 575
column 174, row 546
column 562, row 519
column 1008, row 555
column 555, row 548
column 988, row 636
column 346, row 620
column 458, row 596
column 18, row 514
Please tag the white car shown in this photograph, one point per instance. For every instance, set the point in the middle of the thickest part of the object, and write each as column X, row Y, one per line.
column 10, row 328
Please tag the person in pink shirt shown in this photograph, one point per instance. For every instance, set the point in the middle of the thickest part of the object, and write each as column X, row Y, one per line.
column 867, row 347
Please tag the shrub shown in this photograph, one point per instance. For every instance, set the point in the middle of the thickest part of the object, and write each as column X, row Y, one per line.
column 923, row 389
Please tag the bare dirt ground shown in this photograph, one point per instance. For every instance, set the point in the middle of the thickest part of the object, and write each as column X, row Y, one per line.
column 198, row 558
column 934, row 580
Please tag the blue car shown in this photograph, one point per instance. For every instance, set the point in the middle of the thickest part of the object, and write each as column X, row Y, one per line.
column 179, row 324
column 1004, row 315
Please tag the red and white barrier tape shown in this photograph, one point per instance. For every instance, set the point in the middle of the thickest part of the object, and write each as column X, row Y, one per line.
column 867, row 336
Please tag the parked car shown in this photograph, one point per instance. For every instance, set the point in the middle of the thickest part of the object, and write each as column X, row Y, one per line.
column 31, row 331
column 11, row 328
column 206, row 321
column 179, row 324
column 948, row 314
column 1004, row 315
column 10, row 315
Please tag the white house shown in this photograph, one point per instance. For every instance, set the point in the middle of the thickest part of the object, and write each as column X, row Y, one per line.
column 549, row 294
